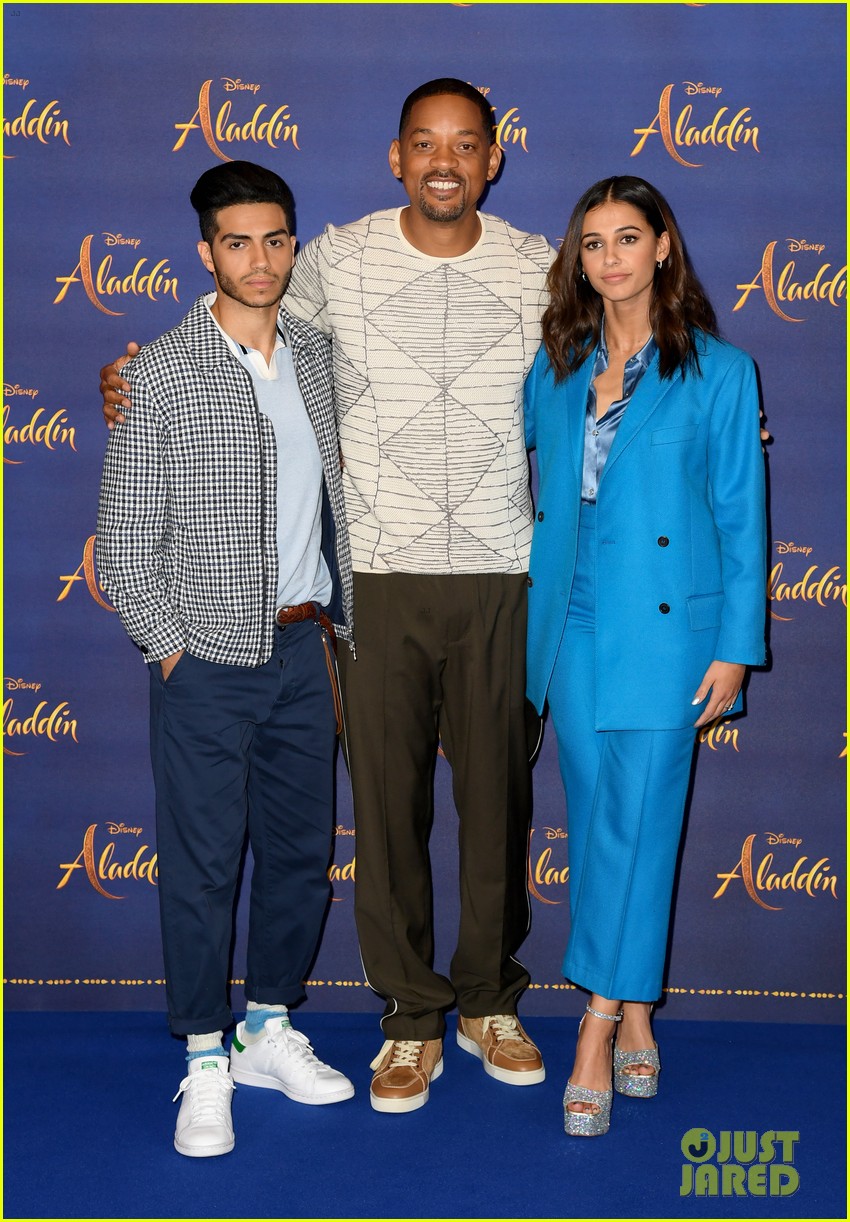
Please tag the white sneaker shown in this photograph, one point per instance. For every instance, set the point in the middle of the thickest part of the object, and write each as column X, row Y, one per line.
column 283, row 1060
column 204, row 1127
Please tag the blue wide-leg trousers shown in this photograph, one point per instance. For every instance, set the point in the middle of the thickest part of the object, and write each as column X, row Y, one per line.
column 626, row 793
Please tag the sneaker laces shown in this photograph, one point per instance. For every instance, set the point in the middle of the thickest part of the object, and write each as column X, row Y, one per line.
column 208, row 1094
column 404, row 1052
column 295, row 1046
column 503, row 1026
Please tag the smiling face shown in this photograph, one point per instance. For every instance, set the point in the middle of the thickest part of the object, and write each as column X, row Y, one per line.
column 251, row 255
column 619, row 252
column 444, row 158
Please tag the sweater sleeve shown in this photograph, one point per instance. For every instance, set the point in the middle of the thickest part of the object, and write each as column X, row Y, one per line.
column 306, row 297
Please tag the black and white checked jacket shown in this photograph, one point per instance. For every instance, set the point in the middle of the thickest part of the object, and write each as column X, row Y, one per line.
column 186, row 534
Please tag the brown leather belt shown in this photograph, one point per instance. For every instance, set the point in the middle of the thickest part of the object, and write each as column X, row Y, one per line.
column 304, row 611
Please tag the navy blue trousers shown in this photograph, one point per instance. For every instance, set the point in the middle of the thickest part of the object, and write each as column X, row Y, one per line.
column 242, row 751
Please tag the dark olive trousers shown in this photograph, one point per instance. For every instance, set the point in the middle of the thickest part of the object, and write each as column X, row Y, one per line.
column 440, row 659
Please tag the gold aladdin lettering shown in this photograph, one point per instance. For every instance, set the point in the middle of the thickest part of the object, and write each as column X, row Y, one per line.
column 51, row 432
column 105, row 868
column 821, row 287
column 715, row 735
column 541, row 871
column 154, row 283
column 43, row 722
column 823, row 589
column 813, row 880
column 729, row 131
column 88, row 574
column 274, row 129
column 34, row 124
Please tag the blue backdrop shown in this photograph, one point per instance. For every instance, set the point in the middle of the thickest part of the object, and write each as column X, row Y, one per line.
column 735, row 112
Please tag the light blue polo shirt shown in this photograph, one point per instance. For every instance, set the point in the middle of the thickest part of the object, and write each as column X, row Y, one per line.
column 303, row 575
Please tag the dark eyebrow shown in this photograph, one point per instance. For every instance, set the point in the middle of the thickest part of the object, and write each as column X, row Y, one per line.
column 429, row 131
column 620, row 229
column 273, row 233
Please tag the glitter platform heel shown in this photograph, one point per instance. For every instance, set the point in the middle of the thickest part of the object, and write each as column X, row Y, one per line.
column 598, row 1122
column 637, row 1085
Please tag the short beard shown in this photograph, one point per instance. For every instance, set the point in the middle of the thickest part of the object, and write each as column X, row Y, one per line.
column 231, row 289
column 446, row 215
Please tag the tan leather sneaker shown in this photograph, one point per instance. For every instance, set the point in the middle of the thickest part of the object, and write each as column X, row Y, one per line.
column 403, row 1071
column 503, row 1048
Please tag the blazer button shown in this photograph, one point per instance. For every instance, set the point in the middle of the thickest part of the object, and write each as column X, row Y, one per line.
column 664, row 608
column 529, row 581
column 540, row 516
column 663, row 541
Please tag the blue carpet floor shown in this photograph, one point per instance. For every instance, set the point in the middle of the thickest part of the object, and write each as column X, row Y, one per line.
column 89, row 1127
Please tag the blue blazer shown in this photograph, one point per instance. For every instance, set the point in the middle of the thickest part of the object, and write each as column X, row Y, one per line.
column 680, row 535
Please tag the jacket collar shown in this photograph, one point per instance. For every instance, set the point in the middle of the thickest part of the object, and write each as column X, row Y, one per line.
column 209, row 346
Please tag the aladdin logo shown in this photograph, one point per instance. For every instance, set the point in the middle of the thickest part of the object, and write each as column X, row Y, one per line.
column 39, row 430
column 112, row 865
column 795, row 244
column 153, row 283
column 788, row 286
column 342, row 873
column 43, row 722
column 273, row 129
column 85, row 571
column 694, row 87
column 231, row 86
column 812, row 587
column 784, row 549
column 508, row 129
column 715, row 735
column 543, row 871
column 723, row 130
column 33, row 123
column 118, row 239
column 813, row 879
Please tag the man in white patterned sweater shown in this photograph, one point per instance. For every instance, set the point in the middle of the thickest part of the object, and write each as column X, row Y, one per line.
column 435, row 314
column 434, row 310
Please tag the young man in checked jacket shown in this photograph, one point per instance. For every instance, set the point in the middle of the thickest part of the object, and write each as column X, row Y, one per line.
column 218, row 543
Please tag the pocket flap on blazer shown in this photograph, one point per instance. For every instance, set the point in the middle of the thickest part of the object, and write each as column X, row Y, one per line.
column 704, row 611
column 681, row 432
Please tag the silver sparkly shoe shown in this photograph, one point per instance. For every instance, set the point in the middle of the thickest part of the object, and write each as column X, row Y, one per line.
column 637, row 1085
column 589, row 1124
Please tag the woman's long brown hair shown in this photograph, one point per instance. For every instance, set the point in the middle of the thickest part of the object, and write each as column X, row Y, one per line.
column 573, row 320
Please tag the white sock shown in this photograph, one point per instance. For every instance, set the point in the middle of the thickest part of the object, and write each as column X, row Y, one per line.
column 208, row 1043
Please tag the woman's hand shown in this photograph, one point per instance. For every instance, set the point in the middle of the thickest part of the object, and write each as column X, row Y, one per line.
column 723, row 680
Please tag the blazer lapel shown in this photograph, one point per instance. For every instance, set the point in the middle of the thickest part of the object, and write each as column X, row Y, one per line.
column 575, row 410
column 646, row 398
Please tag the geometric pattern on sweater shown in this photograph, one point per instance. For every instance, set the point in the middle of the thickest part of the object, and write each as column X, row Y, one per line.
column 430, row 355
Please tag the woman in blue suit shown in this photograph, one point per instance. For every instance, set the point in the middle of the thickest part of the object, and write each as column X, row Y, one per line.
column 647, row 593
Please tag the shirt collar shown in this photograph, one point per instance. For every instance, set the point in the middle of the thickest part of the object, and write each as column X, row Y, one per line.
column 643, row 358
column 235, row 347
